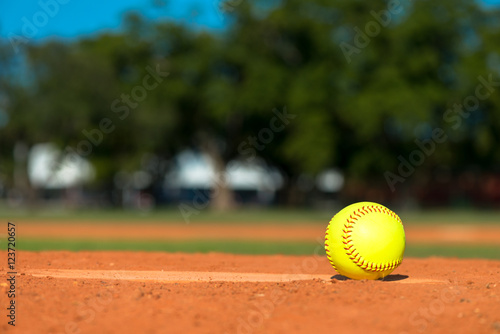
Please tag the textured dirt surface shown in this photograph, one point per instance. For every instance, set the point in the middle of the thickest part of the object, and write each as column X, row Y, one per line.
column 125, row 292
column 477, row 234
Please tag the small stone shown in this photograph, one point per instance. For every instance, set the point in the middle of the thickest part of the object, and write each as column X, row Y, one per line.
column 138, row 294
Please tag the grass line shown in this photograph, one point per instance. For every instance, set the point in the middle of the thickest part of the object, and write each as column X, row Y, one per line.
column 459, row 251
column 254, row 216
column 192, row 246
column 241, row 247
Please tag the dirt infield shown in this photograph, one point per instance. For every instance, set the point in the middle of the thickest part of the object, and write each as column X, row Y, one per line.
column 148, row 292
column 463, row 234
column 138, row 292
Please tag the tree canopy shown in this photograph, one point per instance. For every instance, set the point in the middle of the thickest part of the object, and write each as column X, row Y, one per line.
column 365, row 86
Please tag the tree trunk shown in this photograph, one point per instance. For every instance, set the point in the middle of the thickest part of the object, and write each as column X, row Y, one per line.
column 222, row 196
column 22, row 185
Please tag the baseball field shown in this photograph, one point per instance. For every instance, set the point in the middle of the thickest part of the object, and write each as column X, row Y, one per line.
column 242, row 272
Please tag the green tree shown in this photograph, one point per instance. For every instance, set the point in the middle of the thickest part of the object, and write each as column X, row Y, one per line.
column 364, row 82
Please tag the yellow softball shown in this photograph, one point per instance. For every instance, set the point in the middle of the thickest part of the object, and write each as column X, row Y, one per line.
column 365, row 241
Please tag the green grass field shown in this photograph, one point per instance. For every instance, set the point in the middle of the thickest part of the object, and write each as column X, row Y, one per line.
column 241, row 247
column 257, row 217
column 254, row 216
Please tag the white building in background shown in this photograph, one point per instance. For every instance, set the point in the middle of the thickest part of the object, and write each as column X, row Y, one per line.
column 194, row 170
column 330, row 181
column 252, row 181
column 47, row 169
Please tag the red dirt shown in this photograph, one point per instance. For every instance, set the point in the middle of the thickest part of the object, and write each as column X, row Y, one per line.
column 138, row 292
column 478, row 234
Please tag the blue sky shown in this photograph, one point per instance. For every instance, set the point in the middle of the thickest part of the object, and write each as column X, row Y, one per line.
column 83, row 17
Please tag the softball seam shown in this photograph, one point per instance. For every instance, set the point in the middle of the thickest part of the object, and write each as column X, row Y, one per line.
column 326, row 247
column 351, row 251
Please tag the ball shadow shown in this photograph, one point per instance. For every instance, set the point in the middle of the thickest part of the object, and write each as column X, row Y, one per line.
column 389, row 278
column 394, row 278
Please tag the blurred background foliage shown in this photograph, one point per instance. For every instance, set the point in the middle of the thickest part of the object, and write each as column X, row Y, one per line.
column 356, row 113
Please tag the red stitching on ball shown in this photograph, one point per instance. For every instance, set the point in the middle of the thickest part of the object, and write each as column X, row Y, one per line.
column 352, row 252
column 328, row 255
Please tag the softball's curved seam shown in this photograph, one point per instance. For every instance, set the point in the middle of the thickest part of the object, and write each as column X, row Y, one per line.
column 351, row 250
column 327, row 246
